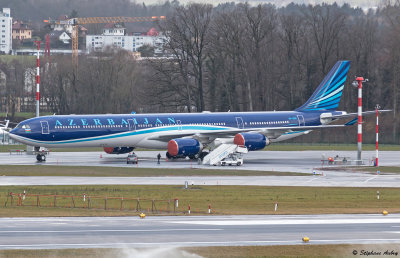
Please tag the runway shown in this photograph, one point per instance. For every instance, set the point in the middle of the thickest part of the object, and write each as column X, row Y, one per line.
column 117, row 232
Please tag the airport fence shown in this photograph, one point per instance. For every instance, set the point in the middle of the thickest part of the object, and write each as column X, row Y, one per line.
column 84, row 201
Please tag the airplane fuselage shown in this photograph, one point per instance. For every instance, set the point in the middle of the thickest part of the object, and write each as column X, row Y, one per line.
column 141, row 130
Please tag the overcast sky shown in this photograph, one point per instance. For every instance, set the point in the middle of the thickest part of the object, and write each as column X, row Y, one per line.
column 360, row 3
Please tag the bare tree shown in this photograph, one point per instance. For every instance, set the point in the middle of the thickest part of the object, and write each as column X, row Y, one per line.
column 326, row 23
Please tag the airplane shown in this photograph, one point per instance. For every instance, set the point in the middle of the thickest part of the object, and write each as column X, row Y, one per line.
column 4, row 130
column 189, row 134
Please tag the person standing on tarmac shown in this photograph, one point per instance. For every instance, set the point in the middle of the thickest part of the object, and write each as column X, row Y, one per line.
column 158, row 158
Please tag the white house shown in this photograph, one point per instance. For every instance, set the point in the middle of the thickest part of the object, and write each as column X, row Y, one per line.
column 6, row 31
column 60, row 26
column 60, row 35
column 114, row 37
column 64, row 37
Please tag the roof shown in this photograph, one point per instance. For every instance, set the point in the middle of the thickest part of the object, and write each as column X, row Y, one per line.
column 57, row 33
column 63, row 17
column 113, row 25
column 20, row 26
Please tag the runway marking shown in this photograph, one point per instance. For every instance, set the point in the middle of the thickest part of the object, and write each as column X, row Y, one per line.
column 288, row 222
column 312, row 180
column 256, row 242
column 369, row 179
column 110, row 230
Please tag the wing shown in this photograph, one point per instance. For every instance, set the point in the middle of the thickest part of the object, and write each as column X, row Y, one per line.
column 228, row 133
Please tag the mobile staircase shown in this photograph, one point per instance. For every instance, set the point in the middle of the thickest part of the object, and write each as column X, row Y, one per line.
column 221, row 152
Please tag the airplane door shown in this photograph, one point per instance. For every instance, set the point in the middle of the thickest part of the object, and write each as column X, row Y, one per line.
column 132, row 125
column 179, row 124
column 239, row 122
column 45, row 127
column 301, row 120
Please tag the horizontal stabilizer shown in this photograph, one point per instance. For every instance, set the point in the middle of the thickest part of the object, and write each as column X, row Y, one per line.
column 365, row 113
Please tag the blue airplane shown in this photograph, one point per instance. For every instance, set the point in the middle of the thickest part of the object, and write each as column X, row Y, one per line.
column 188, row 134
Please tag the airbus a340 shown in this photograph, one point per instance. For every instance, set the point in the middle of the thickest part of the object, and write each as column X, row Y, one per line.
column 189, row 134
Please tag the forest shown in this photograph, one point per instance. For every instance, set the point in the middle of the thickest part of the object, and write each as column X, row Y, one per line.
column 230, row 57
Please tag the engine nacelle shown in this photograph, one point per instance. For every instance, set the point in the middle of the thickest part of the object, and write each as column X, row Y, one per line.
column 118, row 150
column 253, row 141
column 184, row 148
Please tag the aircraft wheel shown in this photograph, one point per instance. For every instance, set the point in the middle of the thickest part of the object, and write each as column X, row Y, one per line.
column 203, row 154
column 41, row 158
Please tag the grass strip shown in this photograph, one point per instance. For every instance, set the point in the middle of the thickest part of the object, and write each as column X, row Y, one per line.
column 83, row 171
column 329, row 147
column 302, row 250
column 373, row 170
column 224, row 200
column 272, row 147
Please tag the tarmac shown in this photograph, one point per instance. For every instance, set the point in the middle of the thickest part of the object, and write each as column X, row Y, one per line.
column 180, row 231
column 279, row 161
column 287, row 161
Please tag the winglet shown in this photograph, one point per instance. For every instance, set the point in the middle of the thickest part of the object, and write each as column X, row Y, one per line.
column 352, row 122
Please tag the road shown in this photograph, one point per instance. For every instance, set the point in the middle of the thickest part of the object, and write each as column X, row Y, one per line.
column 88, row 232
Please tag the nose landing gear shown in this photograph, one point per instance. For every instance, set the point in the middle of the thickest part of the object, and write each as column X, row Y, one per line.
column 40, row 154
column 41, row 157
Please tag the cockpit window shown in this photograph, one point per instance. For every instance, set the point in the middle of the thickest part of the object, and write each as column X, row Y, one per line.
column 18, row 126
column 24, row 126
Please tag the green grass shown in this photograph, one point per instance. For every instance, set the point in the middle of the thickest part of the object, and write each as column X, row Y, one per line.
column 303, row 250
column 7, row 148
column 328, row 147
column 25, row 115
column 383, row 169
column 224, row 200
column 133, row 171
column 30, row 60
column 272, row 147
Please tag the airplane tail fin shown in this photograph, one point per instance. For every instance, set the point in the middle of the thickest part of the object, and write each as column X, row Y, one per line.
column 327, row 96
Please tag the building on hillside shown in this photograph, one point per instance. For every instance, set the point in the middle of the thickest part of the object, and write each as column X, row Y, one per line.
column 21, row 31
column 63, row 27
column 112, row 29
column 56, row 36
column 115, row 37
column 6, row 31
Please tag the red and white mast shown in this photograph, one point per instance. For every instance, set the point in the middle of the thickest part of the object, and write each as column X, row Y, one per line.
column 359, row 123
column 37, row 79
column 377, row 133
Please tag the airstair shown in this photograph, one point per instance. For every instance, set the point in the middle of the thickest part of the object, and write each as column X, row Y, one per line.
column 221, row 152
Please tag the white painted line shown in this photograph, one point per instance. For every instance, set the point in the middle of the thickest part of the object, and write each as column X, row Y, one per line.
column 312, row 180
column 289, row 222
column 256, row 242
column 109, row 230
column 369, row 179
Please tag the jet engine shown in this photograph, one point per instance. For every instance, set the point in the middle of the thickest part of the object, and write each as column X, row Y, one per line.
column 118, row 150
column 253, row 141
column 181, row 148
